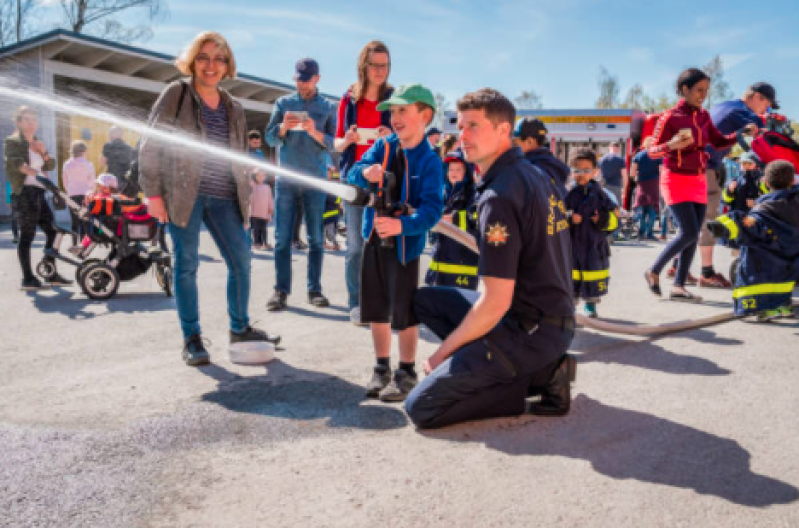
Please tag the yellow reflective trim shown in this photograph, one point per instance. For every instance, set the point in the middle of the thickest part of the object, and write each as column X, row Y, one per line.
column 613, row 222
column 727, row 197
column 587, row 276
column 330, row 214
column 462, row 220
column 763, row 187
column 455, row 269
column 763, row 289
column 731, row 226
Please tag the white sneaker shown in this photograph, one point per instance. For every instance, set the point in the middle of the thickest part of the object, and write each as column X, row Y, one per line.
column 355, row 317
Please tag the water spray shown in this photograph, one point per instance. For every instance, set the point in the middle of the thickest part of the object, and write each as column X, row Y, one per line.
column 73, row 107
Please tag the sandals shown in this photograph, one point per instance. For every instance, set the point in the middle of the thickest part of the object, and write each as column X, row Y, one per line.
column 654, row 286
column 685, row 296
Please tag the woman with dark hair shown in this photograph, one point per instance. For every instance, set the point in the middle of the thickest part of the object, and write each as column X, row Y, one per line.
column 681, row 137
column 26, row 157
column 185, row 190
column 359, row 125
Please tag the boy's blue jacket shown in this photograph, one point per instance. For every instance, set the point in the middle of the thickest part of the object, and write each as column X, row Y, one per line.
column 421, row 188
column 590, row 249
column 769, row 262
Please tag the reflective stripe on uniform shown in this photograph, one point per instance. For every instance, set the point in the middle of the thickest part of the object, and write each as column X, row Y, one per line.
column 763, row 289
column 462, row 221
column 589, row 276
column 455, row 269
column 330, row 214
column 727, row 197
column 613, row 222
column 730, row 224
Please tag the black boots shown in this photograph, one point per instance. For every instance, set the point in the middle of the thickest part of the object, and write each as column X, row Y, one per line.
column 556, row 396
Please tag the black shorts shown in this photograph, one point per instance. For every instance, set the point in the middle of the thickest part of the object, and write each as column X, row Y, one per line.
column 388, row 287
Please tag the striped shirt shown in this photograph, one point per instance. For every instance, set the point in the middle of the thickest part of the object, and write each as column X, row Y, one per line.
column 217, row 179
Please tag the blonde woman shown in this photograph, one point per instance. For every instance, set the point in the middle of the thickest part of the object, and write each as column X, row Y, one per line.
column 78, row 178
column 186, row 189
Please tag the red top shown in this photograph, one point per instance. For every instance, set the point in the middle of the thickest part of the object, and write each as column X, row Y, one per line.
column 367, row 117
column 693, row 159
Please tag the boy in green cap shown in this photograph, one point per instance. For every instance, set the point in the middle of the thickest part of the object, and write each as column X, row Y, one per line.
column 390, row 275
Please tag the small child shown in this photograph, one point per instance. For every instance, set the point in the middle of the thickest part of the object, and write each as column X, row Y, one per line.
column 742, row 192
column 453, row 264
column 262, row 207
column 332, row 213
column 395, row 239
column 592, row 215
column 769, row 239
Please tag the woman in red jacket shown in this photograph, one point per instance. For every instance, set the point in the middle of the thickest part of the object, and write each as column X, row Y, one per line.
column 682, row 135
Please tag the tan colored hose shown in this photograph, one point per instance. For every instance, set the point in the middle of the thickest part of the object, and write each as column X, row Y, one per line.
column 462, row 237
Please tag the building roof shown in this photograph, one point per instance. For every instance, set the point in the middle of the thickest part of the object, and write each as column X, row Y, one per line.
column 93, row 58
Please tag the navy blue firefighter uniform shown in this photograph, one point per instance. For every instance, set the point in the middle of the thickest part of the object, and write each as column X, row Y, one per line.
column 769, row 262
column 453, row 264
column 590, row 248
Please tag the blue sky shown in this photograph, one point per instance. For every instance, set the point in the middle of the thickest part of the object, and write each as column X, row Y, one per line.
column 555, row 47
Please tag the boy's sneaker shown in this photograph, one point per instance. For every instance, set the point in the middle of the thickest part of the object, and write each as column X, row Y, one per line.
column 716, row 281
column 58, row 280
column 589, row 310
column 194, row 352
column 769, row 315
column 32, row 284
column 318, row 300
column 355, row 317
column 786, row 311
column 277, row 302
column 381, row 377
column 253, row 334
column 399, row 388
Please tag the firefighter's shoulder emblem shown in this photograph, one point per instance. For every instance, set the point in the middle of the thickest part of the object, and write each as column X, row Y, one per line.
column 497, row 234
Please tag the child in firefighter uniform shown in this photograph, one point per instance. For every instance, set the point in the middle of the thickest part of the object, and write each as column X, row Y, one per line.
column 741, row 193
column 592, row 216
column 453, row 264
column 769, row 239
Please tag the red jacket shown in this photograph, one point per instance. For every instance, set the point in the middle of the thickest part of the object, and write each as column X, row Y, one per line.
column 693, row 159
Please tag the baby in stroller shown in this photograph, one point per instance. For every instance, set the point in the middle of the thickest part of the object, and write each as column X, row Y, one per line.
column 121, row 224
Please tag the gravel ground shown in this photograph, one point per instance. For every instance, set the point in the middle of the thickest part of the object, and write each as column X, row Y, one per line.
column 101, row 424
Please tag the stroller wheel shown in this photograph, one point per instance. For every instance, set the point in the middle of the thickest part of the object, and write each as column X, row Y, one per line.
column 99, row 281
column 83, row 267
column 163, row 274
column 46, row 269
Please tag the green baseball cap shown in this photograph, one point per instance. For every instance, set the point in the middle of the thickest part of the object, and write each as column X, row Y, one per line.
column 408, row 94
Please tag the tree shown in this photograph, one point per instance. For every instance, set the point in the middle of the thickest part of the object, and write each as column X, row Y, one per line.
column 635, row 98
column 96, row 17
column 608, row 89
column 529, row 101
column 15, row 20
column 442, row 105
column 719, row 87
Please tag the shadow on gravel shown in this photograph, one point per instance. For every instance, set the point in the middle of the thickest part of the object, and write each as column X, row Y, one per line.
column 73, row 304
column 601, row 348
column 323, row 313
column 298, row 394
column 625, row 444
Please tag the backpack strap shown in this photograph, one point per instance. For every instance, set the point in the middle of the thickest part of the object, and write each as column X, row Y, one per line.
column 184, row 88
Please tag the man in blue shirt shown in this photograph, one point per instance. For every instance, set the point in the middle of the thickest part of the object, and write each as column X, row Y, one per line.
column 614, row 171
column 303, row 126
column 728, row 117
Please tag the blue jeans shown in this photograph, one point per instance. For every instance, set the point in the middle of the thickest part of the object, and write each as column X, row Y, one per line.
column 224, row 222
column 313, row 202
column 353, row 216
column 647, row 214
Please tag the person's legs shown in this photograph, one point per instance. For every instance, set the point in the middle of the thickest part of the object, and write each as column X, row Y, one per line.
column 224, row 221
column 353, row 257
column 28, row 205
column 285, row 216
column 442, row 309
column 685, row 216
column 648, row 221
column 706, row 239
column 295, row 237
column 76, row 223
column 186, row 253
column 47, row 222
column 313, row 203
column 691, row 224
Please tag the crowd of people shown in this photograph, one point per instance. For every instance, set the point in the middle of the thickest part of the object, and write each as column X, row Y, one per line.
column 543, row 226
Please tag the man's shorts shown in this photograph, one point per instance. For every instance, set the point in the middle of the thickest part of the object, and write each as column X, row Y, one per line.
column 706, row 238
column 388, row 287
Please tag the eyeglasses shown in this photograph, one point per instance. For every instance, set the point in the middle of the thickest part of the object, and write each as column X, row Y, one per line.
column 582, row 171
column 376, row 66
column 218, row 61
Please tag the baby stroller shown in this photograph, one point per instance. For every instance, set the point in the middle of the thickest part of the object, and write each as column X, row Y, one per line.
column 133, row 239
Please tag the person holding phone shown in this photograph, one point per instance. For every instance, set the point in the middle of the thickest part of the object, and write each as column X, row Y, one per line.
column 359, row 126
column 303, row 126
